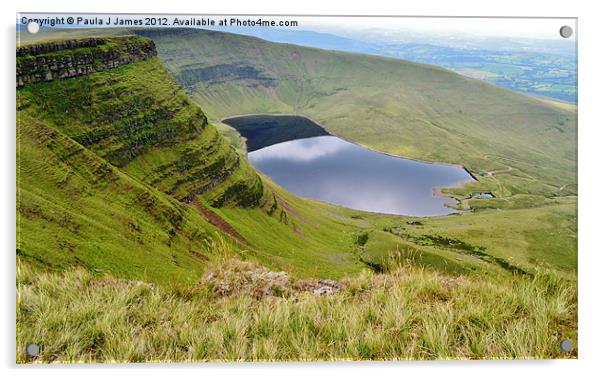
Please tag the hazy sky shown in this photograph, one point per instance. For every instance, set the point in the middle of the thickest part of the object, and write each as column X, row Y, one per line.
column 501, row 27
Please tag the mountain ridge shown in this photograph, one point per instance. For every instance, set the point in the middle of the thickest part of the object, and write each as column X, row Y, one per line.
column 93, row 133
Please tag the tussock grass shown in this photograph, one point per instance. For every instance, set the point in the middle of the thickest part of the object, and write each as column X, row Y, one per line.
column 408, row 313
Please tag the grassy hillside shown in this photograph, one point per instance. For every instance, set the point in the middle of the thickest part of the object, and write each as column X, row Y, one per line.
column 127, row 192
column 522, row 149
column 130, row 114
column 518, row 240
column 75, row 206
column 243, row 312
column 119, row 171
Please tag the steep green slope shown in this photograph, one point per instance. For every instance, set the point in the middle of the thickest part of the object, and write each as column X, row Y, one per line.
column 92, row 115
column 129, row 113
column 73, row 208
column 107, row 147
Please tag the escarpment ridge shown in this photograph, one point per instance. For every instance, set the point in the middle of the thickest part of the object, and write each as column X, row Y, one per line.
column 71, row 58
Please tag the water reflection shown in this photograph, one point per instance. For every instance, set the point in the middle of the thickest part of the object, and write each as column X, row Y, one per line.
column 336, row 171
column 304, row 149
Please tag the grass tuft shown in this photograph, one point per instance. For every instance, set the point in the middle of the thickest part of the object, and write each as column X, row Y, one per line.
column 242, row 311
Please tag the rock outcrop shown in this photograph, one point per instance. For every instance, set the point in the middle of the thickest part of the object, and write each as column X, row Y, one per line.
column 71, row 58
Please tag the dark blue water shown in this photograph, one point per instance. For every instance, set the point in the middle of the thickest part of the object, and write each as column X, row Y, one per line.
column 333, row 170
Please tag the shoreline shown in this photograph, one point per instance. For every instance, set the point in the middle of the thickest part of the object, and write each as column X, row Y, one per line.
column 220, row 120
column 437, row 191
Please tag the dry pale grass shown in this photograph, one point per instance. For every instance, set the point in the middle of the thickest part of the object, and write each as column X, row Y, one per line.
column 241, row 311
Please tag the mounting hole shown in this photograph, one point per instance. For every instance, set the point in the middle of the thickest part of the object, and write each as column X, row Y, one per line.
column 566, row 345
column 33, row 27
column 566, row 31
column 32, row 350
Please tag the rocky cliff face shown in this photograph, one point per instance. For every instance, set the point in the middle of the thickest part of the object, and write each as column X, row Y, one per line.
column 72, row 58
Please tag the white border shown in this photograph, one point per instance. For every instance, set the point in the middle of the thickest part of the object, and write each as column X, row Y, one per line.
column 590, row 260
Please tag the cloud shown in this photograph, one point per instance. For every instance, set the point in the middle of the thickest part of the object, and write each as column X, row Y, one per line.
column 301, row 149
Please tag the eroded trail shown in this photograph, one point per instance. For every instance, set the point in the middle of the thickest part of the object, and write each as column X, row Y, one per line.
column 217, row 221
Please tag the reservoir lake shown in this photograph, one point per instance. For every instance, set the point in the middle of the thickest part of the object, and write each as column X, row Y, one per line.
column 320, row 166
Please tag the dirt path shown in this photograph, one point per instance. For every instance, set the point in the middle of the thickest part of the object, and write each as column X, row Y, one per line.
column 508, row 168
column 288, row 208
column 493, row 172
column 217, row 221
column 565, row 186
